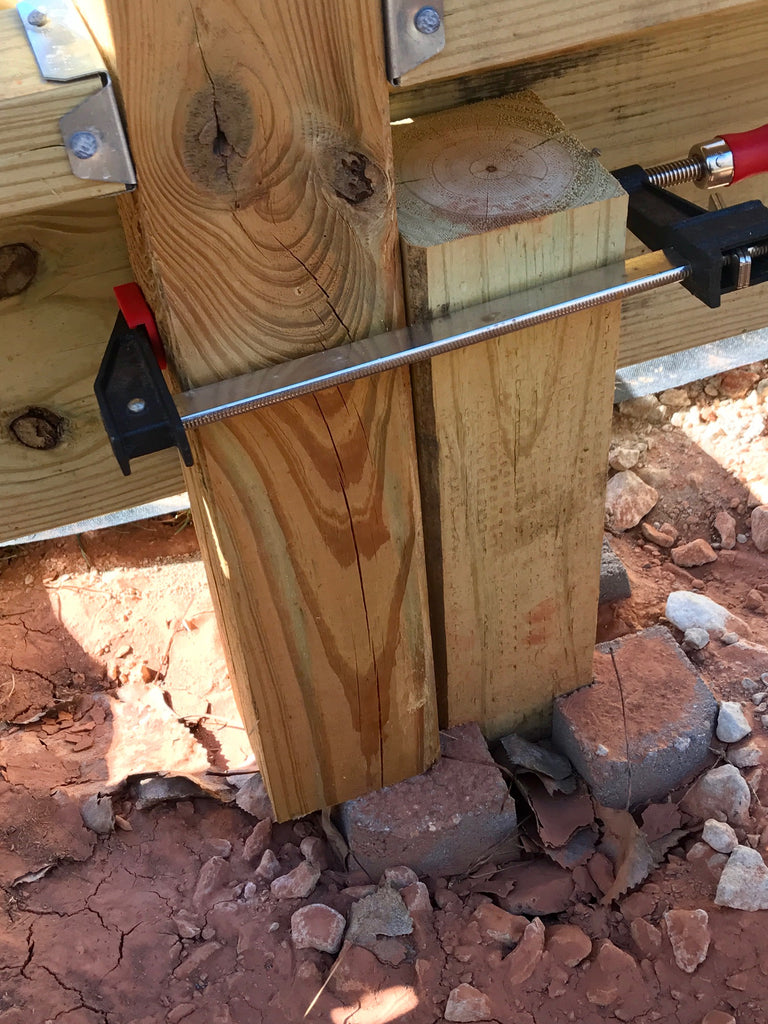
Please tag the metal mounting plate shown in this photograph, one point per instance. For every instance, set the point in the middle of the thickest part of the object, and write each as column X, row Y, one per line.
column 93, row 133
column 63, row 47
column 406, row 45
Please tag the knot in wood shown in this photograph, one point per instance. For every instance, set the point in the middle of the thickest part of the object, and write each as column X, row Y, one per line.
column 37, row 428
column 18, row 266
column 350, row 180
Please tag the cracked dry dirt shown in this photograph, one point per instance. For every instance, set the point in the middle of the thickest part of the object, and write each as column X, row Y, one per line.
column 110, row 667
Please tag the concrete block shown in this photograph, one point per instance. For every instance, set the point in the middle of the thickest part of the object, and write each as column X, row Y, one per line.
column 643, row 726
column 438, row 823
column 614, row 582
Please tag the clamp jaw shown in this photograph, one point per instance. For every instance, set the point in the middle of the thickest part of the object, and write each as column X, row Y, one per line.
column 726, row 249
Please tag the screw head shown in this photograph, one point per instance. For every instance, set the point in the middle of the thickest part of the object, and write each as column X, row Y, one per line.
column 427, row 20
column 37, row 18
column 83, row 144
column 137, row 405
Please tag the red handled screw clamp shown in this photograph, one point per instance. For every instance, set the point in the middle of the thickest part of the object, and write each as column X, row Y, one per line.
column 726, row 249
column 135, row 404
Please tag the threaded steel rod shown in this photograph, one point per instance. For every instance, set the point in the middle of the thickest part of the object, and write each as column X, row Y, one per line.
column 677, row 173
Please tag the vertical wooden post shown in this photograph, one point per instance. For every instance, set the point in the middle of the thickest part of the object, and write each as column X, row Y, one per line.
column 513, row 434
column 264, row 228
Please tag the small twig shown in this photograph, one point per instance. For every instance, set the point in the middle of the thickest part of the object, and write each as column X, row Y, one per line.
column 13, row 687
column 83, row 552
column 211, row 718
column 166, row 658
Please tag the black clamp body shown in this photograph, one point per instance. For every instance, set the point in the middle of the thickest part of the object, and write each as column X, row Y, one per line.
column 137, row 408
column 710, row 242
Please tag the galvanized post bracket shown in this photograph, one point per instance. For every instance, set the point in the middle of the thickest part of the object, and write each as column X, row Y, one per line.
column 413, row 32
column 93, row 133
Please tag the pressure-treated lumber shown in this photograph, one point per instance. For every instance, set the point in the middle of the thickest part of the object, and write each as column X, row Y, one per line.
column 512, row 434
column 34, row 169
column 641, row 100
column 57, row 270
column 485, row 34
column 265, row 211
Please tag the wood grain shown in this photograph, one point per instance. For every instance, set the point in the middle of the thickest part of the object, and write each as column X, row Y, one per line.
column 34, row 169
column 513, row 433
column 641, row 100
column 265, row 215
column 493, row 33
column 53, row 333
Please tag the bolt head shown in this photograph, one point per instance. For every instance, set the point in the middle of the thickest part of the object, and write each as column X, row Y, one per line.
column 37, row 18
column 83, row 144
column 137, row 405
column 427, row 20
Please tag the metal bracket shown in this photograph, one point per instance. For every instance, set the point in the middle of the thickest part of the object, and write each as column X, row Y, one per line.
column 93, row 133
column 413, row 32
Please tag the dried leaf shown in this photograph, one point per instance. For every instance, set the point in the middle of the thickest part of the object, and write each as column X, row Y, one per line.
column 660, row 819
column 558, row 815
column 635, row 859
column 576, row 851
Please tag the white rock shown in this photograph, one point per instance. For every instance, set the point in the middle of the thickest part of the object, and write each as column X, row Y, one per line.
column 98, row 815
column 675, row 398
column 623, row 458
column 746, row 754
column 759, row 526
column 720, row 793
column 759, row 697
column 645, row 407
column 732, row 724
column 695, row 639
column 719, row 835
column 743, row 884
column 627, row 500
column 686, row 610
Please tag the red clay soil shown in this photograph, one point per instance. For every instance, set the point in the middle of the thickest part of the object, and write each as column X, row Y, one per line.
column 110, row 669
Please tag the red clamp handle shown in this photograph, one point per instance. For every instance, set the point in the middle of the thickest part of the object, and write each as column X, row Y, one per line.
column 750, row 152
column 137, row 313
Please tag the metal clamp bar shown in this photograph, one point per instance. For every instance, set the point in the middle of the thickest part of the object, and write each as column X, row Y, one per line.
column 479, row 323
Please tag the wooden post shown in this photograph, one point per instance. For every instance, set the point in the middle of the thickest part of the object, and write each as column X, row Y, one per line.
column 513, row 435
column 264, row 228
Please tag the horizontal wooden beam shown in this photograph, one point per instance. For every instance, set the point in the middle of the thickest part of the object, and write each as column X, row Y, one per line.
column 57, row 269
column 483, row 34
column 34, row 169
column 643, row 100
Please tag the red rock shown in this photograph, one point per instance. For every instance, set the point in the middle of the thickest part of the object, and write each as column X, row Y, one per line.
column 697, row 552
column 568, row 944
column 688, row 931
column 317, row 927
column 610, row 975
column 399, row 877
column 257, row 841
column 725, row 525
column 540, row 888
column 443, row 820
column 754, row 601
column 738, row 383
column 416, row 899
column 466, row 1003
column 499, row 925
column 213, row 876
column 664, row 537
column 296, row 884
column 627, row 500
column 601, row 870
column 646, row 937
column 638, row 904
column 524, row 958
